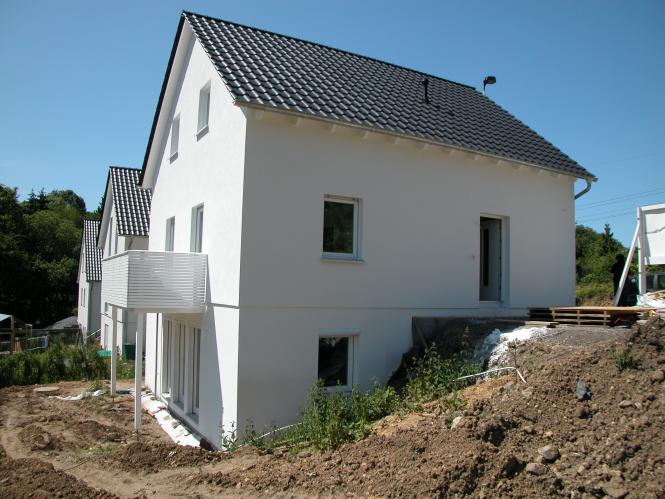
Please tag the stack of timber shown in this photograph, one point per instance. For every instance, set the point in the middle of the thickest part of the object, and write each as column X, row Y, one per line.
column 589, row 315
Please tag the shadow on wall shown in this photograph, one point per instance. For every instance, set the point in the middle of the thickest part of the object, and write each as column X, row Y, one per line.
column 210, row 386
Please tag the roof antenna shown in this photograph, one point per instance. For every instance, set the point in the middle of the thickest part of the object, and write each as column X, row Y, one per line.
column 426, row 85
column 489, row 80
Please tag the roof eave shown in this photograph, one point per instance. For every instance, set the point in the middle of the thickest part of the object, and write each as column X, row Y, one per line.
column 300, row 114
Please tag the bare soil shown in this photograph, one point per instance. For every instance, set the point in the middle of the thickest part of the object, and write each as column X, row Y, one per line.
column 510, row 439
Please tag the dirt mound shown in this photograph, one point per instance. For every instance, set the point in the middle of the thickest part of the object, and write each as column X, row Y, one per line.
column 152, row 457
column 36, row 479
column 34, row 437
column 511, row 439
column 93, row 431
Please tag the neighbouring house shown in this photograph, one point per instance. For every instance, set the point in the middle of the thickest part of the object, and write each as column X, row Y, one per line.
column 89, row 279
column 124, row 226
column 307, row 203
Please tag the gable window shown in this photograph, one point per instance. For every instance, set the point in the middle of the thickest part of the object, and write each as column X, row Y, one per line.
column 336, row 361
column 170, row 234
column 175, row 138
column 204, row 111
column 197, row 229
column 340, row 228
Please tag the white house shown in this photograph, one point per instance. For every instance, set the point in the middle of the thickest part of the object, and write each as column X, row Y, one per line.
column 124, row 226
column 308, row 202
column 89, row 279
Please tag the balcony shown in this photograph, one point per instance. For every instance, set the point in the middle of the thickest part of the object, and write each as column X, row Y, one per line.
column 155, row 281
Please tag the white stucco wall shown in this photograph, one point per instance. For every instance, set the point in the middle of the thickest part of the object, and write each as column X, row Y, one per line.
column 88, row 312
column 420, row 213
column 208, row 171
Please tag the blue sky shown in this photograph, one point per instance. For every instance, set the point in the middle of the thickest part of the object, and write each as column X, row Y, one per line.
column 80, row 79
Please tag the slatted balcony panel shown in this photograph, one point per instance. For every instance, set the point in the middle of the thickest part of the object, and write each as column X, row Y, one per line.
column 156, row 281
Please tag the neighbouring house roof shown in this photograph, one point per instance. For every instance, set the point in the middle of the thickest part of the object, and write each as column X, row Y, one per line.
column 92, row 254
column 131, row 202
column 68, row 322
column 268, row 70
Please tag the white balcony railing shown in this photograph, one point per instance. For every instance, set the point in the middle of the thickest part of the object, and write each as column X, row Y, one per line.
column 155, row 281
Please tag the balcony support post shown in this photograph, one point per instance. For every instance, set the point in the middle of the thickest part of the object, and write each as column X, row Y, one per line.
column 138, row 364
column 114, row 340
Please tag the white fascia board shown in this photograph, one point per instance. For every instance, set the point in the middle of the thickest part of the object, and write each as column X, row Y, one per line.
column 106, row 215
column 175, row 77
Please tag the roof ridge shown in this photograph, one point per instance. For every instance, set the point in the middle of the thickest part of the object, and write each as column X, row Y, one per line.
column 115, row 167
column 381, row 61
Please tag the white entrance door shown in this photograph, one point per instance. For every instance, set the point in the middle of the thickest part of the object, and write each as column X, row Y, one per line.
column 490, row 259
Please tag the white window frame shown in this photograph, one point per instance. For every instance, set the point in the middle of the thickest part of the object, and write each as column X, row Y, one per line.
column 196, row 369
column 169, row 240
column 198, row 219
column 355, row 255
column 174, row 143
column 352, row 334
column 203, row 116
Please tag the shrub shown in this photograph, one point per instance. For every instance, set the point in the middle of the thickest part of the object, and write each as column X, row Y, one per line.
column 59, row 362
column 431, row 376
column 331, row 418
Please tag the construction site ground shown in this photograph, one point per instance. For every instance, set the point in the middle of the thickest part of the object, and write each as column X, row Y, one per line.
column 510, row 439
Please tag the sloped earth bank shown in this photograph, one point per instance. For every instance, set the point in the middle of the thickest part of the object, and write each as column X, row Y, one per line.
column 533, row 440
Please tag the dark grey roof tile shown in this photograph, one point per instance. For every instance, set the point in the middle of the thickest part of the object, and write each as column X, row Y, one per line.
column 283, row 73
column 132, row 204
column 93, row 255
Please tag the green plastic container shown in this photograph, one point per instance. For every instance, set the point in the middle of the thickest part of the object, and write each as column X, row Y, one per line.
column 128, row 351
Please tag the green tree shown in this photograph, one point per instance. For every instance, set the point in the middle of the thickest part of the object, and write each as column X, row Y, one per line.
column 39, row 251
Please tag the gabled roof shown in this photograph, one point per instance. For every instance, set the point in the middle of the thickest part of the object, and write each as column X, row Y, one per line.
column 92, row 254
column 277, row 72
column 131, row 202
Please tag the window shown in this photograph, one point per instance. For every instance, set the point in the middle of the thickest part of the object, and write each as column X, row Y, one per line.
column 340, row 228
column 336, row 361
column 197, row 229
column 204, row 111
column 196, row 368
column 175, row 137
column 170, row 234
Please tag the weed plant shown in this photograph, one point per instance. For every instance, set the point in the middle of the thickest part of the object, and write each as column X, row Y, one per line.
column 332, row 417
column 623, row 358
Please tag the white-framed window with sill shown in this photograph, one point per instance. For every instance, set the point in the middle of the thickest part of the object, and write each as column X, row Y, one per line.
column 196, row 245
column 341, row 228
column 175, row 138
column 336, row 359
column 169, row 240
column 204, row 111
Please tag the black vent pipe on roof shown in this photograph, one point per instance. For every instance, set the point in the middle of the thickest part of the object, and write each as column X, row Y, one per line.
column 426, row 87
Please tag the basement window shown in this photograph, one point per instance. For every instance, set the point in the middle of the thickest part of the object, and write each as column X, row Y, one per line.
column 336, row 361
column 340, row 228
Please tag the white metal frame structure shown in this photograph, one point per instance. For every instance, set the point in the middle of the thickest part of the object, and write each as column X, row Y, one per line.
column 650, row 236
